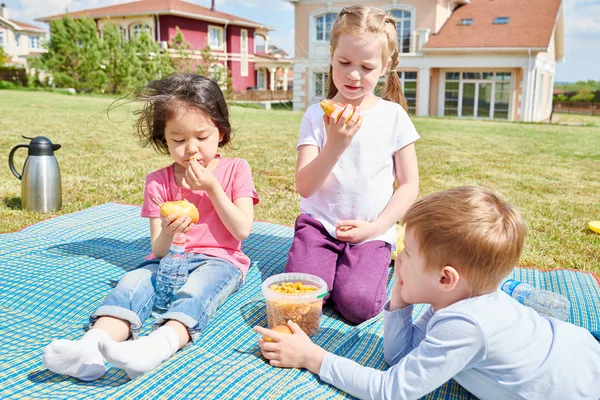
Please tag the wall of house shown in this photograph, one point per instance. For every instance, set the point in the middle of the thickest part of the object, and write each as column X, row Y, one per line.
column 194, row 31
column 19, row 53
column 434, row 88
column 517, row 97
column 234, row 39
column 241, row 82
column 428, row 14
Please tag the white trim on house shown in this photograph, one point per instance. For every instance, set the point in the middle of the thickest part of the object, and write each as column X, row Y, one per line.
column 244, row 52
column 318, row 49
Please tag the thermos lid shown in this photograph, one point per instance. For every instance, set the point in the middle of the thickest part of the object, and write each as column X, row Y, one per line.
column 42, row 146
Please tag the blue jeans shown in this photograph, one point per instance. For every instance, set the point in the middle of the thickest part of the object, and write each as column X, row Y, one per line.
column 211, row 280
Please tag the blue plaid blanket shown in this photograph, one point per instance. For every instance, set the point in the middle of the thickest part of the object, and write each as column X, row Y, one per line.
column 55, row 273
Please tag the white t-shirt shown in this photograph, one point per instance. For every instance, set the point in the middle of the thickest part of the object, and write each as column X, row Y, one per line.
column 362, row 182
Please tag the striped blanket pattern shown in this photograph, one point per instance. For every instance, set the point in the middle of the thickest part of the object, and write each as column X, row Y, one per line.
column 55, row 273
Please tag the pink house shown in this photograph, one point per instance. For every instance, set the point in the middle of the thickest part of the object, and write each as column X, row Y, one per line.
column 238, row 43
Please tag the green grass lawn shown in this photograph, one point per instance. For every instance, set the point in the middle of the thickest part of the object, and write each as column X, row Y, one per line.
column 582, row 119
column 551, row 173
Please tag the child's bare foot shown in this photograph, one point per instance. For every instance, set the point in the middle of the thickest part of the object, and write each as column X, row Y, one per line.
column 139, row 356
column 77, row 358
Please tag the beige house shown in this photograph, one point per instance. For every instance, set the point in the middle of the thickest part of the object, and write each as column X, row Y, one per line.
column 20, row 41
column 475, row 59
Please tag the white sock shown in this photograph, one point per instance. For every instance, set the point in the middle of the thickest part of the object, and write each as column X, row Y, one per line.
column 139, row 356
column 77, row 358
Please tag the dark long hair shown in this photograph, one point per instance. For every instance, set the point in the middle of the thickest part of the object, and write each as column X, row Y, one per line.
column 163, row 97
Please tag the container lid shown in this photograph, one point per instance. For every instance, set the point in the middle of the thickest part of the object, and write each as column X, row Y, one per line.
column 307, row 279
column 42, row 146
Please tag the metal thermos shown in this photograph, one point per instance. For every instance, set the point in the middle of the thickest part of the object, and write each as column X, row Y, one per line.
column 40, row 179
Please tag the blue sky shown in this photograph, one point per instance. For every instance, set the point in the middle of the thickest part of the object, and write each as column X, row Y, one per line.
column 582, row 17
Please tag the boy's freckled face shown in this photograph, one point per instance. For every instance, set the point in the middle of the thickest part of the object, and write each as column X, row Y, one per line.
column 190, row 133
column 417, row 282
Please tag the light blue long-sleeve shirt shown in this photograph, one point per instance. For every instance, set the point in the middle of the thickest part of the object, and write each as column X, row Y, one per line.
column 493, row 346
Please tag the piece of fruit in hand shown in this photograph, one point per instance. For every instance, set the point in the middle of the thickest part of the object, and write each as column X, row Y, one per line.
column 329, row 106
column 279, row 328
column 181, row 208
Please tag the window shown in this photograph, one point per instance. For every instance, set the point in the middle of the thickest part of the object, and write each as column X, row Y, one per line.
column 321, row 84
column 409, row 88
column 34, row 42
column 139, row 28
column 244, row 52
column 451, row 93
column 477, row 94
column 18, row 39
column 261, row 79
column 215, row 37
column 1, row 38
column 466, row 21
column 501, row 20
column 403, row 29
column 324, row 24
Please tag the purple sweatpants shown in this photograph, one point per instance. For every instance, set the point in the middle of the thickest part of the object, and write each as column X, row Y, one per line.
column 356, row 275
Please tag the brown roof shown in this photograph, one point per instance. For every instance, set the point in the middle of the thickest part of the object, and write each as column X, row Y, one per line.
column 152, row 7
column 530, row 26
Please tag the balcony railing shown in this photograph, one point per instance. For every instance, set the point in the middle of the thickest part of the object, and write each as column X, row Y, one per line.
column 263, row 95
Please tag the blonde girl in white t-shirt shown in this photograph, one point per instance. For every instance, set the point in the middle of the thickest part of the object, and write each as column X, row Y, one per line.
column 346, row 170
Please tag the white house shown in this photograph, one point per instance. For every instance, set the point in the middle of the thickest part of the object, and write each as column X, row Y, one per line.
column 476, row 59
column 20, row 41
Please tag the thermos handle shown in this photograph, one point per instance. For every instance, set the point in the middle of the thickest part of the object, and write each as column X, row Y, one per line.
column 10, row 160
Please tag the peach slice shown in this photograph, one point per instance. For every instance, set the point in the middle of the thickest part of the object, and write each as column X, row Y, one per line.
column 329, row 106
column 279, row 328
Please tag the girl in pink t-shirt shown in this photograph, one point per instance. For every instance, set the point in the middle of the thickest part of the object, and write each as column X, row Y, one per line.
column 186, row 117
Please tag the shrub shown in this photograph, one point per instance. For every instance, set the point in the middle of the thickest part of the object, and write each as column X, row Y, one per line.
column 7, row 85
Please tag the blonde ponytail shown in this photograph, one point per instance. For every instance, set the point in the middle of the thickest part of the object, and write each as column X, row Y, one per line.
column 331, row 89
column 393, row 86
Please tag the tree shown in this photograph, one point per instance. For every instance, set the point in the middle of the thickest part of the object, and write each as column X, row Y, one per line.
column 182, row 59
column 119, row 61
column 155, row 63
column 74, row 56
column 3, row 56
column 210, row 67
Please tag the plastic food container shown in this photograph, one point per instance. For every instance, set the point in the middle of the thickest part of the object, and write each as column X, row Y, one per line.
column 305, row 309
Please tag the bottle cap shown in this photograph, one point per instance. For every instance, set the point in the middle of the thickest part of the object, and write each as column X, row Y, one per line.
column 179, row 239
column 509, row 286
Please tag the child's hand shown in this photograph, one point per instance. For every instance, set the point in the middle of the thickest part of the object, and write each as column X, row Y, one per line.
column 174, row 224
column 291, row 351
column 340, row 132
column 396, row 300
column 355, row 231
column 198, row 177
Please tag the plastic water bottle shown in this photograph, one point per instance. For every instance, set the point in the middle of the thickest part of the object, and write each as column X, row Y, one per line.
column 546, row 303
column 172, row 274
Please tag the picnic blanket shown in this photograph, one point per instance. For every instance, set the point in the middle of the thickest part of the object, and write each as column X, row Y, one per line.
column 55, row 273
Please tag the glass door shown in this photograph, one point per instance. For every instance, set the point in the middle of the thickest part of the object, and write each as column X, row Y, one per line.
column 468, row 99
column 484, row 100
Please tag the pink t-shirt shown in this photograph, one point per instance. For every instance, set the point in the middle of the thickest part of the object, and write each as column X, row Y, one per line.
column 209, row 236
